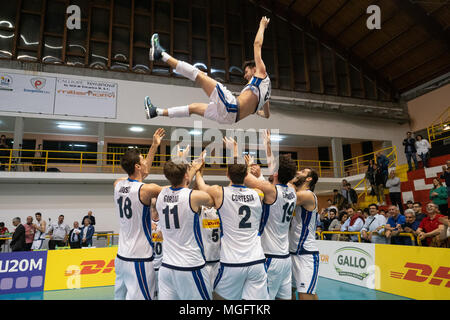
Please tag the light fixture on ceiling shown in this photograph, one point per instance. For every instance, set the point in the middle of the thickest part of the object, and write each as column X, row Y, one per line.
column 277, row 138
column 137, row 129
column 70, row 125
column 447, row 127
column 195, row 133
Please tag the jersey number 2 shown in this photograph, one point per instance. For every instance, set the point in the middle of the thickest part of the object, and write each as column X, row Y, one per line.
column 125, row 209
column 244, row 224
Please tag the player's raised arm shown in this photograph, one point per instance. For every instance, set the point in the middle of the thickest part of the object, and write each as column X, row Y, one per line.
column 157, row 137
column 214, row 191
column 257, row 47
column 262, row 186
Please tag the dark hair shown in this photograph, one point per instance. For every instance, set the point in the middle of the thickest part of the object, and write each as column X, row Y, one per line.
column 249, row 63
column 3, row 136
column 373, row 204
column 341, row 214
column 237, row 172
column 333, row 210
column 335, row 190
column 419, row 135
column 287, row 168
column 409, row 201
column 38, row 214
column 2, row 224
column 130, row 159
column 329, row 200
column 61, row 215
column 417, row 202
column 175, row 172
column 313, row 174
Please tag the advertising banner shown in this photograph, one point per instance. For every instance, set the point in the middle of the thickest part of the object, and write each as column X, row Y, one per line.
column 80, row 268
column 86, row 98
column 27, row 93
column 414, row 272
column 348, row 262
column 22, row 271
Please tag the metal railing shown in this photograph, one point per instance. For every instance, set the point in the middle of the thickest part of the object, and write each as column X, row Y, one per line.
column 440, row 128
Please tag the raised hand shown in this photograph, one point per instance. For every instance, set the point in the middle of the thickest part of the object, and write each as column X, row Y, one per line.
column 158, row 136
column 264, row 22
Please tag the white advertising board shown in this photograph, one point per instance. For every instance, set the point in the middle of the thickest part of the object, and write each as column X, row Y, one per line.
column 86, row 98
column 348, row 262
column 27, row 93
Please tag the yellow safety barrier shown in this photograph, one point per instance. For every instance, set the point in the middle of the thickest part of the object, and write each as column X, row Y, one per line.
column 438, row 129
column 340, row 232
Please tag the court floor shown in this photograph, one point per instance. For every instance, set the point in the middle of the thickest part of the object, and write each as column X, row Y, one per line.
column 327, row 290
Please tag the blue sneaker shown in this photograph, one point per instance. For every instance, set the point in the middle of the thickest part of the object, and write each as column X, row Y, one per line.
column 155, row 48
column 150, row 109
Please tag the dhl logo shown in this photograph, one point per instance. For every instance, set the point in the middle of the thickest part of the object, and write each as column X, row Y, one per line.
column 92, row 267
column 211, row 224
column 422, row 272
column 157, row 237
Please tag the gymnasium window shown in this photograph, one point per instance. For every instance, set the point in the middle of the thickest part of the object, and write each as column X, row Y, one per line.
column 67, row 157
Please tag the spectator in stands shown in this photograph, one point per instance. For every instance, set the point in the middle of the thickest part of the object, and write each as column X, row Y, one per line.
column 383, row 213
column 370, row 176
column 59, row 233
column 423, row 148
column 74, row 236
column 331, row 206
column 409, row 204
column 410, row 226
column 417, row 207
column 87, row 232
column 393, row 184
column 351, row 195
column 430, row 227
column 29, row 233
column 338, row 200
column 330, row 219
column 18, row 237
column 336, row 226
column 373, row 228
column 383, row 165
column 439, row 196
column 379, row 184
column 3, row 233
column 393, row 225
column 324, row 220
column 3, row 153
column 354, row 223
column 445, row 233
column 90, row 217
column 344, row 188
column 446, row 176
column 410, row 150
column 365, row 213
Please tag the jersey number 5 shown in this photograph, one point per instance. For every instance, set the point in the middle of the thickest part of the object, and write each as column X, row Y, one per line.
column 125, row 209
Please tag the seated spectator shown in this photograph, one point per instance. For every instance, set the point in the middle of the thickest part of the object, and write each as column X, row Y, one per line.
column 331, row 206
column 417, row 208
column 354, row 223
column 365, row 213
column 336, row 226
column 410, row 226
column 438, row 194
column 339, row 200
column 383, row 213
column 373, row 228
column 393, row 226
column 430, row 228
column 324, row 220
column 409, row 204
column 18, row 237
column 444, row 237
column 331, row 218
column 87, row 232
column 74, row 236
column 29, row 233
column 393, row 184
column 4, row 232
column 90, row 217
column 446, row 176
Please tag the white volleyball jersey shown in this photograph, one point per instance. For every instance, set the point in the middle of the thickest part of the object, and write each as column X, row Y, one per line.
column 180, row 226
column 157, row 245
column 38, row 235
column 240, row 218
column 274, row 228
column 302, row 233
column 210, row 228
column 135, row 233
column 262, row 88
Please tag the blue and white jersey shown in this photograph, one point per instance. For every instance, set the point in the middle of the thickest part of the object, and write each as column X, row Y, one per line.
column 180, row 226
column 302, row 233
column 262, row 88
column 157, row 245
column 135, row 233
column 210, row 228
column 39, row 235
column 240, row 219
column 276, row 220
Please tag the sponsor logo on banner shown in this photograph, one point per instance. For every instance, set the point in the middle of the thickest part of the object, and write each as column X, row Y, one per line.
column 80, row 268
column 38, row 83
column 424, row 273
column 22, row 272
column 352, row 262
column 324, row 258
column 6, row 82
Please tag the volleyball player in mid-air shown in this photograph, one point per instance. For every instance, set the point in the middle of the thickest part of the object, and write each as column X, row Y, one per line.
column 223, row 107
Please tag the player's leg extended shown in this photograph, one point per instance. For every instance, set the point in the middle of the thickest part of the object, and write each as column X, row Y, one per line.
column 174, row 112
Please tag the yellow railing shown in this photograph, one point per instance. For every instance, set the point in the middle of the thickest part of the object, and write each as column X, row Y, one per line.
column 409, row 235
column 438, row 129
column 108, row 236
column 109, row 162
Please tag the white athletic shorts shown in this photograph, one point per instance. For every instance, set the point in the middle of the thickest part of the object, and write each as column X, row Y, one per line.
column 184, row 285
column 245, row 282
column 223, row 106
column 37, row 244
column 305, row 271
column 279, row 277
column 213, row 269
column 135, row 280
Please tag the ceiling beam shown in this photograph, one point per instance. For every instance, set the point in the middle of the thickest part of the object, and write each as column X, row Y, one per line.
column 305, row 24
column 425, row 79
column 438, row 8
column 312, row 9
column 417, row 13
column 342, row 6
column 427, row 61
column 401, row 55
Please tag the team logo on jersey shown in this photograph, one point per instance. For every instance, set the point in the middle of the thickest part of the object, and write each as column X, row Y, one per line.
column 157, row 237
column 211, row 224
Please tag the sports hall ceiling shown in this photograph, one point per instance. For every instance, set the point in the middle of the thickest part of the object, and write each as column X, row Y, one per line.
column 410, row 49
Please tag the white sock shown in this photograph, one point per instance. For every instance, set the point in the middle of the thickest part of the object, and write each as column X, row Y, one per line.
column 165, row 56
column 187, row 70
column 179, row 112
column 159, row 111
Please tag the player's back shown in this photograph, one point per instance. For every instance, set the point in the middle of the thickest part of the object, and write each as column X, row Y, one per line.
column 240, row 217
column 302, row 233
column 210, row 227
column 135, row 221
column 274, row 228
column 180, row 226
